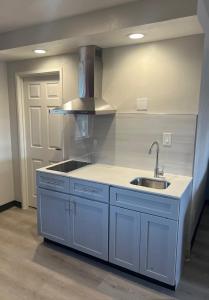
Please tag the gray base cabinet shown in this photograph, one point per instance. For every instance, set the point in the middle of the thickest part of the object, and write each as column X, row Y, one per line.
column 141, row 241
column 90, row 227
column 74, row 221
column 53, row 216
column 135, row 230
column 124, row 238
column 158, row 248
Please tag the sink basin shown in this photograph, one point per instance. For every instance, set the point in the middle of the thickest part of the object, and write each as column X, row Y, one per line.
column 151, row 183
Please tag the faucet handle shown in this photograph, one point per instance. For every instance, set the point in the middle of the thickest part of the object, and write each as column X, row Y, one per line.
column 161, row 171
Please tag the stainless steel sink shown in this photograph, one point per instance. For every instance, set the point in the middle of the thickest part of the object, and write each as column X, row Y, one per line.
column 151, row 183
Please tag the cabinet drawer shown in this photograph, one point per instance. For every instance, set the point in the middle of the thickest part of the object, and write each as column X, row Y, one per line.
column 53, row 182
column 157, row 205
column 88, row 189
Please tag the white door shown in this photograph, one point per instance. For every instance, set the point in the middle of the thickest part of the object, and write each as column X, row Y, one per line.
column 44, row 132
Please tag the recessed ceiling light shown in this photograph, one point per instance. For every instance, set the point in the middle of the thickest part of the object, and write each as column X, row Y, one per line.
column 39, row 51
column 135, row 36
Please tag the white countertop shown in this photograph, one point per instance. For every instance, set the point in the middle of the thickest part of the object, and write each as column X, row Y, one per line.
column 121, row 177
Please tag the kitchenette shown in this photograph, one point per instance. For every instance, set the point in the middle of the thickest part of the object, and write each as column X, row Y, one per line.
column 106, row 162
column 103, row 202
column 121, row 215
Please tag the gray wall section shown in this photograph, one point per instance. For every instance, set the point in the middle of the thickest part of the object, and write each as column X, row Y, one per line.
column 202, row 139
column 6, row 171
column 124, row 140
column 205, row 23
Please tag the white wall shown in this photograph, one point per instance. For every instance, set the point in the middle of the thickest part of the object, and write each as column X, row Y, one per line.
column 130, row 72
column 6, row 171
column 167, row 72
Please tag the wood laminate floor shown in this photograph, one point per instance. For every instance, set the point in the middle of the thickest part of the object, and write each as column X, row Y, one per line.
column 31, row 269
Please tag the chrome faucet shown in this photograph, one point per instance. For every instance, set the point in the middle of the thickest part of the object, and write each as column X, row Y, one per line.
column 157, row 171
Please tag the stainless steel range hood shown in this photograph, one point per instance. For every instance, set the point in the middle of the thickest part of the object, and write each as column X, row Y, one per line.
column 90, row 99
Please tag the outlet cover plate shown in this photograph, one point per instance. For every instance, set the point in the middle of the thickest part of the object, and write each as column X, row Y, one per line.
column 167, row 139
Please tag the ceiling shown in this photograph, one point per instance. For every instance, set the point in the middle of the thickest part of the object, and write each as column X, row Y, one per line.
column 16, row 14
column 153, row 32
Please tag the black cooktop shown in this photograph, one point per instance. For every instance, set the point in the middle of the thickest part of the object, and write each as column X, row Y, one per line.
column 68, row 166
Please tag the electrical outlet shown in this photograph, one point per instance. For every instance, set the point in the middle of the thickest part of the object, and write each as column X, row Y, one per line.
column 167, row 139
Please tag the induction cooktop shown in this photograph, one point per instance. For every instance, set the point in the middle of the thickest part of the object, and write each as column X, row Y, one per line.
column 68, row 166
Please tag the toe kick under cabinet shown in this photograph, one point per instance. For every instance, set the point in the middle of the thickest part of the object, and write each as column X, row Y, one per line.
column 131, row 229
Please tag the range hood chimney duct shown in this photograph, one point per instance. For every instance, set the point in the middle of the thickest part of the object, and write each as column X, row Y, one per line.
column 90, row 99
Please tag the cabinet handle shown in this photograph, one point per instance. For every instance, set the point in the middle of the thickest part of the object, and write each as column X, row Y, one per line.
column 74, row 205
column 68, row 208
column 90, row 190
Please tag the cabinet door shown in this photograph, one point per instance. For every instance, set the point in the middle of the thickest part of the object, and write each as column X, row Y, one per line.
column 124, row 238
column 158, row 248
column 90, row 227
column 53, row 215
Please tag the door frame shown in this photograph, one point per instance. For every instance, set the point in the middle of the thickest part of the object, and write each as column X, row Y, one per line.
column 19, row 81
